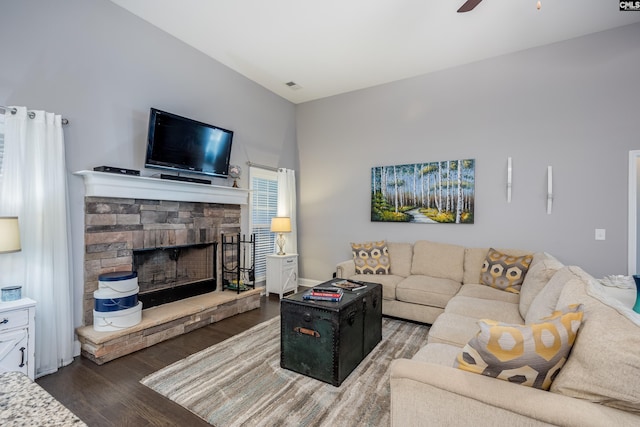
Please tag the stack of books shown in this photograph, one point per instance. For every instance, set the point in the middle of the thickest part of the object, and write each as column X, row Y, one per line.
column 324, row 294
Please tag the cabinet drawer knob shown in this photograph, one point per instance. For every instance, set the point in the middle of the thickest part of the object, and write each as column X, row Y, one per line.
column 5, row 320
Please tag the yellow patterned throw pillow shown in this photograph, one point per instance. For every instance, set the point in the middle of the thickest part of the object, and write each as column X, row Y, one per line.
column 371, row 257
column 530, row 355
column 506, row 272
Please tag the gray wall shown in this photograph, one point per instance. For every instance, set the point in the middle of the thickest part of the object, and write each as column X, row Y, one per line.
column 571, row 105
column 103, row 68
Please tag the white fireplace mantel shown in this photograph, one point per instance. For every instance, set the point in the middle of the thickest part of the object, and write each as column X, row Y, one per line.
column 104, row 184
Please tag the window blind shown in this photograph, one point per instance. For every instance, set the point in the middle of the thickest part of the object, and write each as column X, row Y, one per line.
column 264, row 206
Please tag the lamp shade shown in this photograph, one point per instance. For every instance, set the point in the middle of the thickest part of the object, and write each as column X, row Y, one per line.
column 9, row 234
column 281, row 224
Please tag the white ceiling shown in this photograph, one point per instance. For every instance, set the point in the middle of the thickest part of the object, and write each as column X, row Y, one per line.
column 330, row 47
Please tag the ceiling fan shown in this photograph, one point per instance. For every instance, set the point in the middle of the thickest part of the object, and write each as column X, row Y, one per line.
column 470, row 4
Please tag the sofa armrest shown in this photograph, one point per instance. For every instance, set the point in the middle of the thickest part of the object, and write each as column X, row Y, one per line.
column 427, row 393
column 345, row 269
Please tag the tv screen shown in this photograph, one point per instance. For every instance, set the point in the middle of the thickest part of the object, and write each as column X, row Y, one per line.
column 182, row 144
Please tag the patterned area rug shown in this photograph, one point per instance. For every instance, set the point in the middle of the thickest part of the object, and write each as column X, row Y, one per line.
column 239, row 382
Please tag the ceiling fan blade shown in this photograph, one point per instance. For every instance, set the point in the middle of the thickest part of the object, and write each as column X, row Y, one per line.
column 469, row 5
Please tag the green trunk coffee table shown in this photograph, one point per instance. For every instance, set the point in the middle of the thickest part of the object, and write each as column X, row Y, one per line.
column 326, row 340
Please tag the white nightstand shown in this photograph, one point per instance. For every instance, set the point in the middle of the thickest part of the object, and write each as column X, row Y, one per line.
column 282, row 274
column 17, row 336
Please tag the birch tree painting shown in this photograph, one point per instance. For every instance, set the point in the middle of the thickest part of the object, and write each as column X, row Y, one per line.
column 435, row 192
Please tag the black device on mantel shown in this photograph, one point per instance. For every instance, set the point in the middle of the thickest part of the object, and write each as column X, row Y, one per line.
column 112, row 169
column 184, row 178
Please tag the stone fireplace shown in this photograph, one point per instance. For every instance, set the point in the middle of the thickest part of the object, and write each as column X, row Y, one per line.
column 174, row 242
column 168, row 232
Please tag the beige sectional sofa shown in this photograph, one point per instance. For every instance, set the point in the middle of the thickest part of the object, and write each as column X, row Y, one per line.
column 424, row 276
column 436, row 283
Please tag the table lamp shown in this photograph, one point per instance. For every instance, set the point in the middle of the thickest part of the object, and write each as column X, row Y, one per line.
column 280, row 224
column 9, row 242
column 9, row 234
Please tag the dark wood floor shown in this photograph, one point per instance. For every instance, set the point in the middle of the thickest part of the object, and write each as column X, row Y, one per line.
column 111, row 394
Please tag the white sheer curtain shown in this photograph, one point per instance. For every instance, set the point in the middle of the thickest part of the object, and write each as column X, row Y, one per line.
column 33, row 187
column 287, row 205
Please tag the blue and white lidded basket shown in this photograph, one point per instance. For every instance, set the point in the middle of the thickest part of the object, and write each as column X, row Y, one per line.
column 121, row 281
column 110, row 300
column 110, row 321
column 116, row 304
column 11, row 293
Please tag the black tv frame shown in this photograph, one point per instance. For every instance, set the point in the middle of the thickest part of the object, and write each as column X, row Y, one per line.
column 187, row 165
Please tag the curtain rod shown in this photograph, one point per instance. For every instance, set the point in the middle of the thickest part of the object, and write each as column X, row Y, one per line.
column 256, row 165
column 31, row 114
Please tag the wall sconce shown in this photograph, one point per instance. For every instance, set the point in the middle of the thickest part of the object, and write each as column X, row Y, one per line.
column 509, row 173
column 549, row 189
column 281, row 224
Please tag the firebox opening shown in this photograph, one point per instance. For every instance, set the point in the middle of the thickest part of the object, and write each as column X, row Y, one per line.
column 173, row 273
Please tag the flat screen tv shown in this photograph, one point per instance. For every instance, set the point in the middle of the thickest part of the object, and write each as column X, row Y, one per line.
column 181, row 144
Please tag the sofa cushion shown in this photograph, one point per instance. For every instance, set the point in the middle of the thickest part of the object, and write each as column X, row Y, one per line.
column 503, row 271
column 453, row 329
column 543, row 267
column 441, row 354
column 410, row 311
column 371, row 257
column 530, row 355
column 400, row 255
column 438, row 260
column 388, row 282
column 481, row 308
column 426, row 290
column 546, row 301
column 474, row 258
column 604, row 366
column 485, row 292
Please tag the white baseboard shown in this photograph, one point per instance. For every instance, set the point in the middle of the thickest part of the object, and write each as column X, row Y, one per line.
column 306, row 283
column 76, row 348
column 309, row 283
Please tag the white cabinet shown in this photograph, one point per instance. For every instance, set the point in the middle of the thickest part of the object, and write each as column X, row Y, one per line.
column 282, row 274
column 17, row 336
